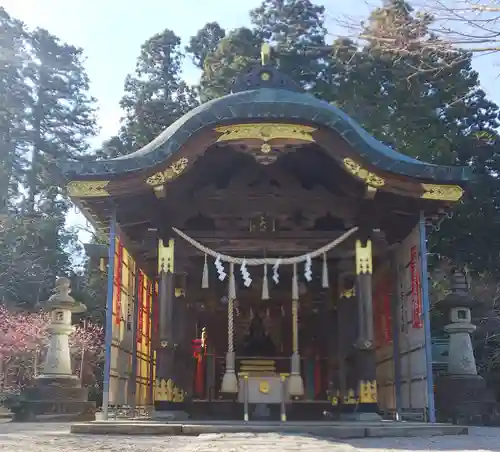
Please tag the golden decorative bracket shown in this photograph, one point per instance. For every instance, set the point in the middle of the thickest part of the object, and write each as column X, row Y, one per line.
column 265, row 132
column 88, row 188
column 169, row 174
column 364, row 258
column 368, row 177
column 442, row 192
column 166, row 256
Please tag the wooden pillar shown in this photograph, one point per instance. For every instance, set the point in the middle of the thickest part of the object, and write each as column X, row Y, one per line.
column 365, row 347
column 169, row 394
column 132, row 384
column 395, row 313
column 347, row 319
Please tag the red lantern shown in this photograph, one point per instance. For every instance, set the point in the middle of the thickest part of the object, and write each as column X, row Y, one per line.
column 196, row 345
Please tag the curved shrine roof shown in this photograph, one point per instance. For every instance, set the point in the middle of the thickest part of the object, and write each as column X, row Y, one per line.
column 261, row 101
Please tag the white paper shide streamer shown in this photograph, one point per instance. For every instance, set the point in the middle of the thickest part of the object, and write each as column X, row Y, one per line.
column 220, row 269
column 245, row 274
column 308, row 269
column 276, row 275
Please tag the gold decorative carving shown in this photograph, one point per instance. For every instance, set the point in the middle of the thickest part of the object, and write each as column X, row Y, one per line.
column 263, row 223
column 357, row 170
column 169, row 174
column 348, row 293
column 265, row 53
column 166, row 256
column 266, row 148
column 350, row 398
column 442, row 192
column 265, row 132
column 368, row 391
column 364, row 258
column 160, row 191
column 264, row 387
column 335, row 398
column 88, row 188
column 167, row 391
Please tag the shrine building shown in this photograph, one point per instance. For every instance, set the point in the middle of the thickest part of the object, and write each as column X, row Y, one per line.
column 267, row 259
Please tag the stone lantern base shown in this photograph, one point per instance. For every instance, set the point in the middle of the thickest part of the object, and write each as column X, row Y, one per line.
column 57, row 394
column 462, row 399
column 55, row 399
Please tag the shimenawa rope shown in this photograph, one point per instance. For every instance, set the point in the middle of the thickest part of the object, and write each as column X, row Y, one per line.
column 268, row 261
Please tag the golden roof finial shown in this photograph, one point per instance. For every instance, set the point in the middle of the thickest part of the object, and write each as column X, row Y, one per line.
column 265, row 53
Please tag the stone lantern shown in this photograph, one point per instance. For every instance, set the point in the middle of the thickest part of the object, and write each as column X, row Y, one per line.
column 56, row 391
column 460, row 392
column 61, row 306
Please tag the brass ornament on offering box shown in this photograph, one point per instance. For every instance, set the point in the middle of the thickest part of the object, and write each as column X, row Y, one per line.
column 88, row 189
column 368, row 177
column 264, row 387
column 169, row 174
column 265, row 132
column 442, row 192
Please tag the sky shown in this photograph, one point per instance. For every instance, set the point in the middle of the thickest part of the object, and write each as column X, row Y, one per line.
column 112, row 31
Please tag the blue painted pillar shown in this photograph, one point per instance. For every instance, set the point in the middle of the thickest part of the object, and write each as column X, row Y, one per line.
column 395, row 310
column 109, row 317
column 426, row 318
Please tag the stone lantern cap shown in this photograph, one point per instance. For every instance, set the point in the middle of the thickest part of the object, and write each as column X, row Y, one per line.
column 460, row 296
column 61, row 299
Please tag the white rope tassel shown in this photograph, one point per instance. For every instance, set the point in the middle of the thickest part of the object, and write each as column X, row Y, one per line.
column 232, row 283
column 324, row 279
column 265, row 286
column 295, row 382
column 295, row 284
column 230, row 381
column 204, row 277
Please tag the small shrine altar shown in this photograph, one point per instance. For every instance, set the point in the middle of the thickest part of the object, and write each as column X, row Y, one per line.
column 267, row 257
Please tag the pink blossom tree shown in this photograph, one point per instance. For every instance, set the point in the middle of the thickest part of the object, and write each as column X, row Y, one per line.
column 23, row 341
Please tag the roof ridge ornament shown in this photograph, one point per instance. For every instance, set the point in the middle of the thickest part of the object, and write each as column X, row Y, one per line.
column 265, row 53
column 264, row 75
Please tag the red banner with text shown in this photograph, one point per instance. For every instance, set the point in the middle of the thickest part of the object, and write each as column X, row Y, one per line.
column 416, row 292
column 382, row 309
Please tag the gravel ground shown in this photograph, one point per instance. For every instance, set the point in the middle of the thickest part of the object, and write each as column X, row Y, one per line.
column 56, row 438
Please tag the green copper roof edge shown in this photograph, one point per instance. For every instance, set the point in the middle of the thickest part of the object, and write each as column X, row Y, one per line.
column 266, row 104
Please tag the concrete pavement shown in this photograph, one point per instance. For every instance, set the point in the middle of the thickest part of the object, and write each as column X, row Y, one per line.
column 15, row 437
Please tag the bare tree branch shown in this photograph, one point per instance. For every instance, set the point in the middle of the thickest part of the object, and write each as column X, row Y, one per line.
column 438, row 33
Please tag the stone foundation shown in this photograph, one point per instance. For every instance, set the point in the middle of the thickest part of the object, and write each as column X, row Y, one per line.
column 60, row 400
column 461, row 398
